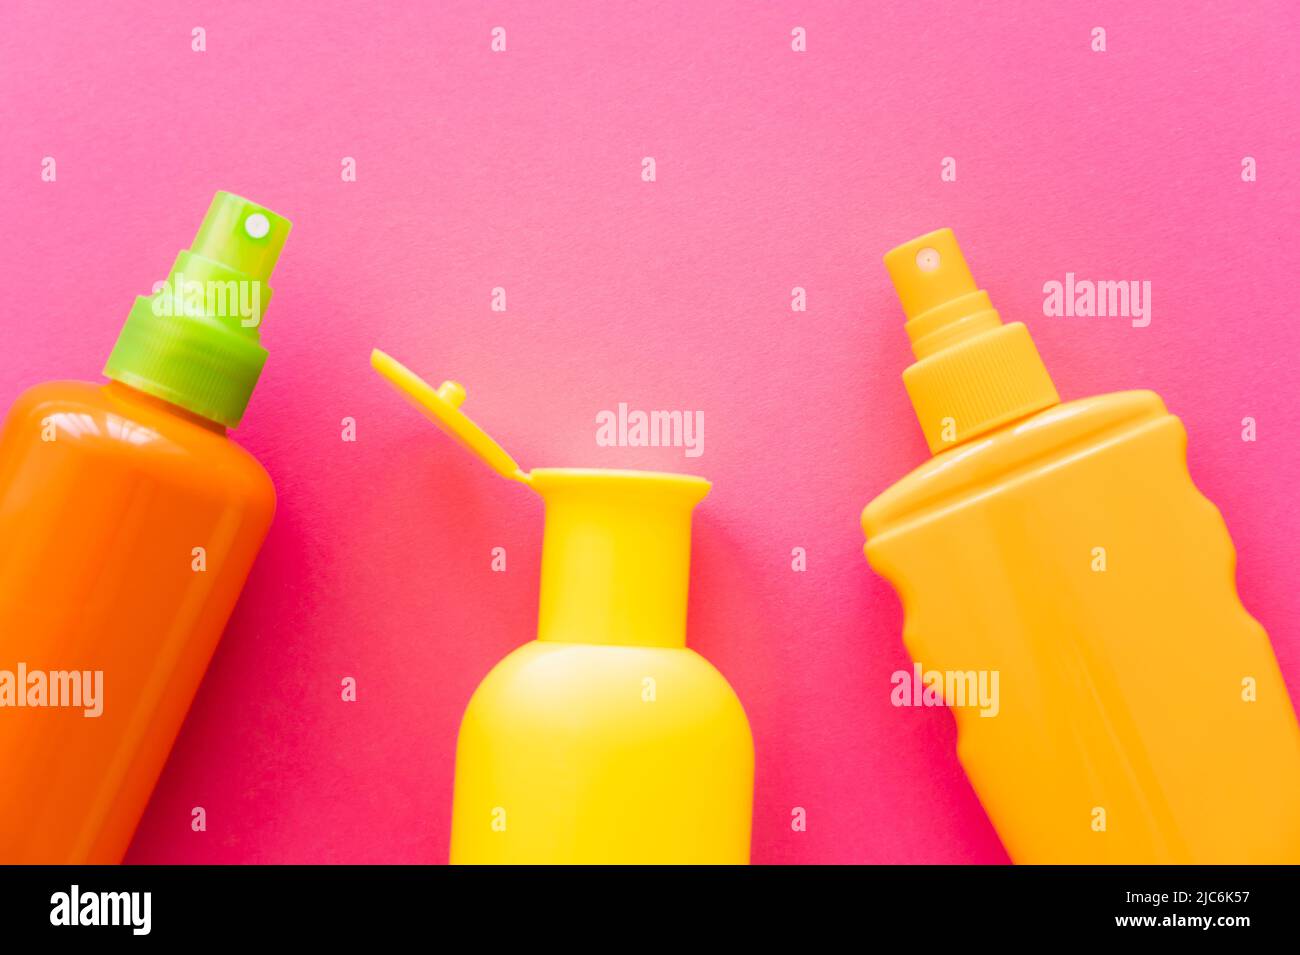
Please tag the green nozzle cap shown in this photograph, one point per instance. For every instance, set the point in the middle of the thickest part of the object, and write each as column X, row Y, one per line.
column 196, row 341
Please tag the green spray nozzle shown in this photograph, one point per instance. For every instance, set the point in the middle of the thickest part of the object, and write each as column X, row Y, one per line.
column 196, row 341
column 241, row 235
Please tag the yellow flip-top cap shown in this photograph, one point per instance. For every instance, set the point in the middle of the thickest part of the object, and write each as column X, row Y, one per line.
column 441, row 405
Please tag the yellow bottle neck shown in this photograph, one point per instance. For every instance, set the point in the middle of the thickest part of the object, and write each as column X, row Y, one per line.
column 616, row 556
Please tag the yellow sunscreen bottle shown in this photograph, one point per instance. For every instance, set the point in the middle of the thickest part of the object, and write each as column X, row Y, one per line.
column 605, row 740
column 1063, row 547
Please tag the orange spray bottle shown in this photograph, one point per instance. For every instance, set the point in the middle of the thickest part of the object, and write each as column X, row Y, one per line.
column 128, row 525
column 1063, row 549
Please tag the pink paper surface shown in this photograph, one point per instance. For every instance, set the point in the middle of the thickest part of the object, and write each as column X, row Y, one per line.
column 522, row 170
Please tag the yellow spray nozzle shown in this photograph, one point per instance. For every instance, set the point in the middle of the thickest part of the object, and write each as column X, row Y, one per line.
column 929, row 271
column 972, row 373
column 942, row 303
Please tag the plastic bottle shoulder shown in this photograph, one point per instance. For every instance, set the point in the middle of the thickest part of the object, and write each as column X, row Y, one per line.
column 1045, row 439
column 103, row 420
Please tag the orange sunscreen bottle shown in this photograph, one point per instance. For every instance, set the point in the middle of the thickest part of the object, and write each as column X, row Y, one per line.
column 1061, row 553
column 128, row 524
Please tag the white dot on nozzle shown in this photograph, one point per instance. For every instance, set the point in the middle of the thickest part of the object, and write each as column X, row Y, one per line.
column 257, row 225
column 927, row 260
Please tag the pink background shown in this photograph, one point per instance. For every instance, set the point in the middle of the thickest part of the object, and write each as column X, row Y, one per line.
column 522, row 170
